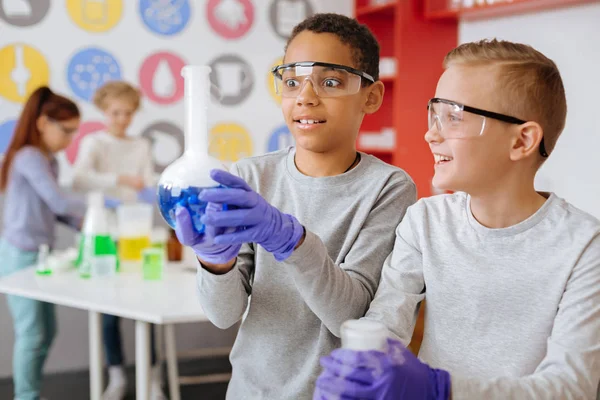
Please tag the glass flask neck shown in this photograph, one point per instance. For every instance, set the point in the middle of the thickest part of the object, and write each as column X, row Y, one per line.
column 197, row 97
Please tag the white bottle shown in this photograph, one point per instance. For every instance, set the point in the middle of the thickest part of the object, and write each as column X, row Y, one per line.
column 364, row 335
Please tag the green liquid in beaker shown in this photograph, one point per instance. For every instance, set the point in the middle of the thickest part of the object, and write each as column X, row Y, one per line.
column 153, row 261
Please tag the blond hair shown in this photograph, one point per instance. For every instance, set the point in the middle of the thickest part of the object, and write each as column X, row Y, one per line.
column 529, row 82
column 116, row 90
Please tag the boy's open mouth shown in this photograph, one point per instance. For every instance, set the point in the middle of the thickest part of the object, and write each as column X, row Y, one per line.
column 441, row 159
column 306, row 121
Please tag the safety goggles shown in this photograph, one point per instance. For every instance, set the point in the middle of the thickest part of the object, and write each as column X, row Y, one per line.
column 327, row 80
column 457, row 121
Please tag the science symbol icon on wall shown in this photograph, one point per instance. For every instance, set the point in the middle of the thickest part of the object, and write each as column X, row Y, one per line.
column 89, row 69
column 232, row 79
column 230, row 19
column 7, row 129
column 271, row 82
column 22, row 70
column 281, row 138
column 23, row 12
column 95, row 15
column 284, row 15
column 160, row 77
column 165, row 17
column 167, row 143
column 229, row 142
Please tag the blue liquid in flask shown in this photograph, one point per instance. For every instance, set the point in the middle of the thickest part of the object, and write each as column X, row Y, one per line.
column 169, row 198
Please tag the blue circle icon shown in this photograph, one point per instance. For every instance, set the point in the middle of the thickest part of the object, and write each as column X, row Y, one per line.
column 165, row 17
column 280, row 139
column 6, row 132
column 89, row 69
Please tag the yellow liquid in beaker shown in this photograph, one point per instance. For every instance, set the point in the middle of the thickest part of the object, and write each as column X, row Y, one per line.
column 130, row 248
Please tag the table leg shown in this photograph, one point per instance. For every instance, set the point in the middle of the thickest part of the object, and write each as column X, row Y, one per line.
column 172, row 362
column 142, row 360
column 95, row 338
column 159, row 335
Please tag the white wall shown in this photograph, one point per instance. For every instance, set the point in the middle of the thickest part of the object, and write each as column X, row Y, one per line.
column 568, row 36
column 58, row 38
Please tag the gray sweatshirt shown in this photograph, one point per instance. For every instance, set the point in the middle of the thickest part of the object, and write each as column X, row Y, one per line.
column 511, row 313
column 296, row 307
column 33, row 201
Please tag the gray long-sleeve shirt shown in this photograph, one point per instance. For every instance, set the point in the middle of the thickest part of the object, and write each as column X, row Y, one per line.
column 296, row 307
column 34, row 201
column 511, row 313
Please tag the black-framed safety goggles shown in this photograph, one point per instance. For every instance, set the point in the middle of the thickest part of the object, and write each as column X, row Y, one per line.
column 455, row 120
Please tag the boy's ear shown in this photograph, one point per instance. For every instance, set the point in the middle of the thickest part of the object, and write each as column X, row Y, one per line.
column 527, row 141
column 374, row 97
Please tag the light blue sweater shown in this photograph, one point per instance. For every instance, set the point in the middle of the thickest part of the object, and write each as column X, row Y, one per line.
column 33, row 201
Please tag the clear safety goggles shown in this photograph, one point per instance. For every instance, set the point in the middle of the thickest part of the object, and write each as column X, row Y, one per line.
column 327, row 80
column 454, row 120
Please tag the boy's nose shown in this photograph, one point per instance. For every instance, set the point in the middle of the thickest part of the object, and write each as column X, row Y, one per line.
column 433, row 135
column 307, row 95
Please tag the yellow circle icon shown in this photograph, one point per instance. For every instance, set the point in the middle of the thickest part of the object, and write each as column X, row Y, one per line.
column 229, row 142
column 22, row 70
column 271, row 82
column 95, row 15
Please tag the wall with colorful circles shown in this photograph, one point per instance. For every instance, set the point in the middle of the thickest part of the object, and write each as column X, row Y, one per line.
column 77, row 45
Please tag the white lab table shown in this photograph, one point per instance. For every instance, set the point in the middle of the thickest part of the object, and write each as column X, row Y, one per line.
column 165, row 302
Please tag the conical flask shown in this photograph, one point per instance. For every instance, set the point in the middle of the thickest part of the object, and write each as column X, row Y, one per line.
column 182, row 181
column 95, row 237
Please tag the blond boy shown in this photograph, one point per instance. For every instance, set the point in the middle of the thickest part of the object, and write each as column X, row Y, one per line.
column 511, row 275
column 112, row 161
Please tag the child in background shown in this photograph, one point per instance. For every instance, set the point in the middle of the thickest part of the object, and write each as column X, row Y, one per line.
column 319, row 218
column 511, row 275
column 33, row 202
column 120, row 166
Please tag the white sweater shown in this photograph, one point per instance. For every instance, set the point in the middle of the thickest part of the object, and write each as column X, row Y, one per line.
column 103, row 158
column 512, row 313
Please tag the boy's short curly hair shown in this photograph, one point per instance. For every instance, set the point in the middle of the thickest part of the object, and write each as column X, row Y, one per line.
column 116, row 89
column 529, row 83
column 364, row 45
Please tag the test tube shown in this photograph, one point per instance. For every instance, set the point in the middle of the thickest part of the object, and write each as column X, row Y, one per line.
column 364, row 335
column 42, row 261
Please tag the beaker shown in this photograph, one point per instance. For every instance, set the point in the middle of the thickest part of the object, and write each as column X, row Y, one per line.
column 182, row 181
column 104, row 265
column 135, row 230
column 153, row 263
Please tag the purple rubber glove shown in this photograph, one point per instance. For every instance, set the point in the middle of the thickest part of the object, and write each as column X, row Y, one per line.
column 203, row 244
column 254, row 220
column 147, row 195
column 396, row 374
